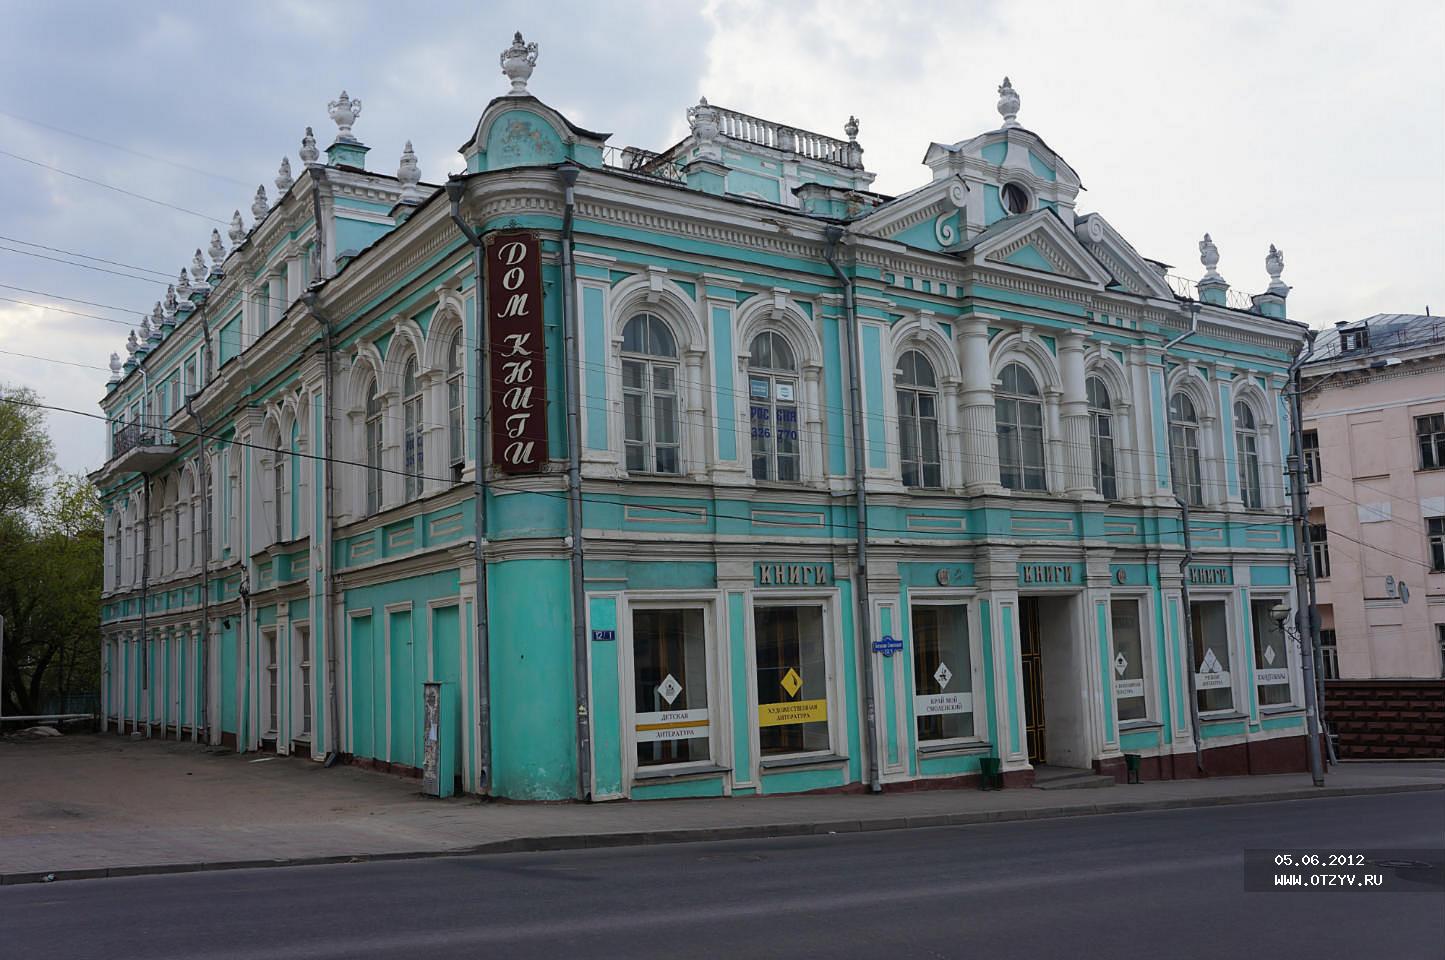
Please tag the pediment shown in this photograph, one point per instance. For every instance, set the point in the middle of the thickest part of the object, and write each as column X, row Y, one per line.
column 1128, row 269
column 1038, row 242
column 929, row 218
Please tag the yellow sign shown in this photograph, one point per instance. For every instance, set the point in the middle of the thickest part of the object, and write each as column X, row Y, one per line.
column 792, row 682
column 785, row 714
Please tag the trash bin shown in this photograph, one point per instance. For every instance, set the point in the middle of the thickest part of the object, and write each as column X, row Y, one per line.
column 989, row 777
column 1131, row 764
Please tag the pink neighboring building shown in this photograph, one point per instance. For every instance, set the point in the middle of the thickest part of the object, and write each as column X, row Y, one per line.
column 1374, row 443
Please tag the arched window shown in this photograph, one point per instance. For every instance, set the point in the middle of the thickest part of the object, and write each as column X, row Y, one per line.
column 1101, row 438
column 1019, row 412
column 373, row 449
column 649, row 396
column 773, row 402
column 1184, row 450
column 278, row 493
column 1246, row 442
column 456, row 432
column 411, row 459
column 918, row 421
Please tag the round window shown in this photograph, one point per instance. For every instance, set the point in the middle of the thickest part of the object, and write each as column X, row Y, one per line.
column 1015, row 199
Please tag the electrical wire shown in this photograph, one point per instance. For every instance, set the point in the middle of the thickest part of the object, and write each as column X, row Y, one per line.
column 111, row 186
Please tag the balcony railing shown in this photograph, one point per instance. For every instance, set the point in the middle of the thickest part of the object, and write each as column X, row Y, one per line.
column 645, row 163
column 766, row 133
column 1189, row 290
column 147, row 431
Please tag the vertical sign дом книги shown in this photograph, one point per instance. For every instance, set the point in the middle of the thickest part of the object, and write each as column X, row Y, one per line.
column 518, row 355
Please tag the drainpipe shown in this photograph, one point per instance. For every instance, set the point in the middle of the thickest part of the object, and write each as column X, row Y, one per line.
column 834, row 236
column 328, row 482
column 568, row 174
column 145, row 575
column 479, row 500
column 203, row 666
column 1305, row 614
column 1188, row 613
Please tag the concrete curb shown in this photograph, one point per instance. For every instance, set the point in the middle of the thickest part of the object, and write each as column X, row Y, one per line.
column 583, row 841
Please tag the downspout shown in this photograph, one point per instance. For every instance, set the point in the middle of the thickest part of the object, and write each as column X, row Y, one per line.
column 328, row 483
column 479, row 499
column 204, row 665
column 568, row 173
column 145, row 574
column 1188, row 612
column 834, row 235
column 1306, row 617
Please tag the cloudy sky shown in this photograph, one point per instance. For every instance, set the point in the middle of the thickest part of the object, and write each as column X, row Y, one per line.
column 1316, row 126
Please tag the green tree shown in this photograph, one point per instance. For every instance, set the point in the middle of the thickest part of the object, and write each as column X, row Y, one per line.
column 51, row 538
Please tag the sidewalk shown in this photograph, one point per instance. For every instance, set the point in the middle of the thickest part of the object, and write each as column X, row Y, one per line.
column 86, row 806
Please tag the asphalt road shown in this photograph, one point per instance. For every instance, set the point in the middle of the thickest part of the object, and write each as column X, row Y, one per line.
column 1156, row 885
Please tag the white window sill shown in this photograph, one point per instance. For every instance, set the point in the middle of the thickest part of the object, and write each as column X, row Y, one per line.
column 954, row 748
column 673, row 773
column 1281, row 709
column 794, row 761
column 1125, row 726
column 1222, row 716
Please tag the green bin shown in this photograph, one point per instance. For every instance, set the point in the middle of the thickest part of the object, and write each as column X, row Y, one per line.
column 1131, row 764
column 989, row 777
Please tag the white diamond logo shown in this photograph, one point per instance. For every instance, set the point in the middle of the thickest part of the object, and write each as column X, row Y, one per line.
column 943, row 675
column 669, row 688
column 1121, row 663
column 1269, row 655
column 1211, row 663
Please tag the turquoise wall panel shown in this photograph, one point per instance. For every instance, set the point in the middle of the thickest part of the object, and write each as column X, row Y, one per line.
column 1231, row 451
column 1132, row 740
column 363, row 689
column 594, row 398
column 833, row 365
column 405, row 693
column 446, row 667
column 723, row 365
column 1010, row 652
column 738, row 660
column 227, row 670
column 706, row 787
column 795, row 781
column 606, row 706
column 1161, row 436
column 874, row 428
column 1270, row 576
column 522, row 138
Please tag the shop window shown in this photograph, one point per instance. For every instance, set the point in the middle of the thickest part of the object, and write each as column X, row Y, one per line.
column 1209, row 622
column 1019, row 413
column 1430, row 434
column 669, row 655
column 1314, row 467
column 1101, row 438
column 942, row 672
column 1184, row 450
column 412, row 460
column 1271, row 655
column 373, row 450
column 651, row 431
column 792, row 680
column 456, row 431
column 773, row 406
column 273, row 680
column 1329, row 655
column 1320, row 550
column 917, row 390
column 1246, row 444
column 1130, row 698
column 1435, row 530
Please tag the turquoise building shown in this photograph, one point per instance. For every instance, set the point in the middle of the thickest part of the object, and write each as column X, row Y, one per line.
column 784, row 484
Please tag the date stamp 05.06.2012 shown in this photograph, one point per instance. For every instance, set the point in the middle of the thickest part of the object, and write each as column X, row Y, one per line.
column 1382, row 871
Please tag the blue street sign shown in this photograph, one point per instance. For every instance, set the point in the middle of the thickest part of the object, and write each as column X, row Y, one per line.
column 887, row 646
column 600, row 635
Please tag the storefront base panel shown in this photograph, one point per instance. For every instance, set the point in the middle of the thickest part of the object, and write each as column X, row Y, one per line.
column 382, row 766
column 712, row 787
column 1274, row 755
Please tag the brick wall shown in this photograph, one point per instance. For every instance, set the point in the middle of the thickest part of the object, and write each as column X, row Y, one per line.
column 1386, row 719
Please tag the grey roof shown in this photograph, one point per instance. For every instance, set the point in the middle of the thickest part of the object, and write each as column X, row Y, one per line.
column 1386, row 332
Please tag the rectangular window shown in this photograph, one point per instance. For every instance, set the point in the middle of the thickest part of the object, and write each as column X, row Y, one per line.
column 303, row 677
column 1210, row 624
column 1430, row 434
column 1440, row 635
column 1320, row 550
column 1435, row 531
column 456, row 436
column 1271, row 655
column 273, row 680
column 792, row 680
column 192, row 386
column 1128, row 663
column 942, row 672
column 669, row 656
column 1313, row 467
column 278, row 495
column 1329, row 655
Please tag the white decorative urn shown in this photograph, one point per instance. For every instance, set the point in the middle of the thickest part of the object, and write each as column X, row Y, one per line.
column 237, row 231
column 1274, row 266
column 1209, row 256
column 309, row 153
column 344, row 111
column 260, row 206
column 284, row 180
column 409, row 175
column 703, row 119
column 518, row 61
column 1008, row 103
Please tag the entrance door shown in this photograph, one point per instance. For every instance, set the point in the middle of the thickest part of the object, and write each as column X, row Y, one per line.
column 1033, row 672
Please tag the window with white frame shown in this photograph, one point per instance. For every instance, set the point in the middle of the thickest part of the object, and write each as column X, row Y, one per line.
column 1209, row 622
column 1435, row 533
column 278, row 495
column 1314, row 469
column 1019, row 413
column 792, row 679
column 412, row 459
column 942, row 672
column 1330, row 655
column 650, row 413
column 456, row 431
column 917, row 390
column 670, row 686
column 1271, row 655
column 1184, row 450
column 302, row 635
column 1430, row 436
column 1320, row 550
column 1101, row 437
column 272, row 691
column 1246, row 445
column 773, row 408
column 373, row 449
column 1131, row 701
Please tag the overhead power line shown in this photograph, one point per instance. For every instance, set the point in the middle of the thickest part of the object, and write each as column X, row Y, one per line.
column 111, row 186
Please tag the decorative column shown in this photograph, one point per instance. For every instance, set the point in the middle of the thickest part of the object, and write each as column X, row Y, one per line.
column 1151, row 426
column 811, row 447
column 979, row 428
column 695, row 446
column 1074, row 420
